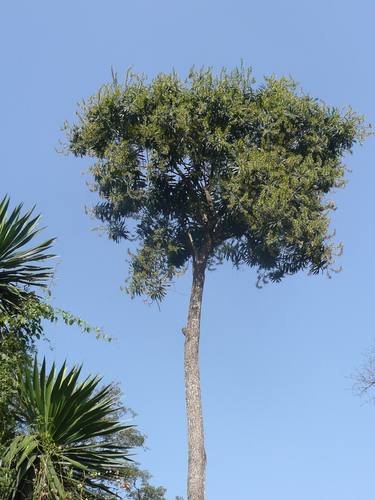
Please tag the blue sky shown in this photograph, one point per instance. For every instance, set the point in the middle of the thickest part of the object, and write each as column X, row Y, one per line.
column 281, row 422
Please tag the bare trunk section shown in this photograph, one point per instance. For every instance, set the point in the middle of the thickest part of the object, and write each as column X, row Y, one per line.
column 197, row 454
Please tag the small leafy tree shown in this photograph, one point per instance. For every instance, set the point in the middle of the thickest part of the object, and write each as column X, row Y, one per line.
column 207, row 169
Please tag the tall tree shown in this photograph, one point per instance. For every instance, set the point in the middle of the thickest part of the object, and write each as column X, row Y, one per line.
column 211, row 168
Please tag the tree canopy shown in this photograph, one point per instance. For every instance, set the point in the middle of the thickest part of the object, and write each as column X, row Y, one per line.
column 213, row 165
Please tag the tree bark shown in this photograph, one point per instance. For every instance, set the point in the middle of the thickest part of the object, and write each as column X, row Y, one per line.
column 197, row 454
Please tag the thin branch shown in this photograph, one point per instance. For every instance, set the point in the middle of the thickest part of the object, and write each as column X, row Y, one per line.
column 364, row 378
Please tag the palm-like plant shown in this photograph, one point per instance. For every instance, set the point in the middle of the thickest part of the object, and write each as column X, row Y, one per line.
column 64, row 448
column 18, row 268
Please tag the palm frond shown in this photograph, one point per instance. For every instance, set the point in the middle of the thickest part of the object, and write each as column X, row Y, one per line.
column 65, row 439
column 20, row 267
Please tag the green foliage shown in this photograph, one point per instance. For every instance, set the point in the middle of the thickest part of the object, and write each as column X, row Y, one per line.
column 18, row 333
column 17, row 265
column 63, row 449
column 55, row 314
column 139, row 488
column 87, row 457
column 27, row 324
column 211, row 168
column 12, row 355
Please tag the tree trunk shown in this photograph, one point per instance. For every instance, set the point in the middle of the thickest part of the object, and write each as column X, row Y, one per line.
column 197, row 454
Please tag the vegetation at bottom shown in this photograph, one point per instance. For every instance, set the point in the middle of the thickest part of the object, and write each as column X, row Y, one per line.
column 60, row 437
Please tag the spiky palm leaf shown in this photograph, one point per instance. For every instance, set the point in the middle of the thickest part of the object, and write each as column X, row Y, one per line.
column 63, row 452
column 18, row 268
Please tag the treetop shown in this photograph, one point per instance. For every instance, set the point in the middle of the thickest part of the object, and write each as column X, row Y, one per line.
column 211, row 167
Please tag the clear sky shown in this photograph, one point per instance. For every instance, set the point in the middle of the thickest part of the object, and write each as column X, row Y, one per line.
column 281, row 422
